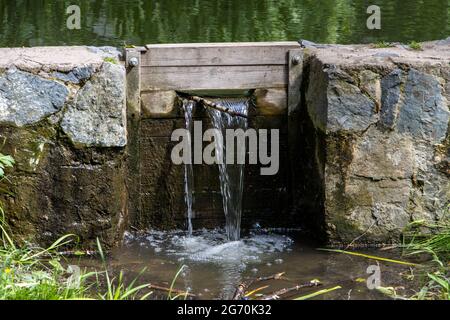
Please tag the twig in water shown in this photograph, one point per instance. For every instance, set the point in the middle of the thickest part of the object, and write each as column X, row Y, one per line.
column 276, row 295
column 360, row 236
column 242, row 287
column 277, row 276
column 214, row 105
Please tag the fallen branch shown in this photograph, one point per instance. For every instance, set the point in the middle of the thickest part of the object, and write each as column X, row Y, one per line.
column 240, row 291
column 216, row 106
column 242, row 287
column 176, row 291
column 72, row 253
column 276, row 295
column 277, row 276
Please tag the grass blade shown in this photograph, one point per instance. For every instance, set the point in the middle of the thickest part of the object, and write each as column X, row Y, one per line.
column 318, row 293
column 371, row 257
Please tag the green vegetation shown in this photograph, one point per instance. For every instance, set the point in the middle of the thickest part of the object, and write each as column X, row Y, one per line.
column 430, row 243
column 5, row 162
column 32, row 273
column 432, row 240
column 110, row 60
column 415, row 45
column 370, row 257
column 318, row 293
column 383, row 44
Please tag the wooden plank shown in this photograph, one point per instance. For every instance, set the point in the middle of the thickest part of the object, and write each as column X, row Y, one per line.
column 294, row 121
column 294, row 44
column 133, row 83
column 214, row 77
column 223, row 54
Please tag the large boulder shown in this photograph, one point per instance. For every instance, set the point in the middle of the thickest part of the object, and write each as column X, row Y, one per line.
column 26, row 98
column 380, row 137
column 97, row 117
column 62, row 118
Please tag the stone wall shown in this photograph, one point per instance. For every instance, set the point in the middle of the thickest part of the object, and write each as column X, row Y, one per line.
column 371, row 153
column 62, row 117
column 377, row 123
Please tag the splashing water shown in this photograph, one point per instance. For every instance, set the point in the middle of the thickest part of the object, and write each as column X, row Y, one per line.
column 210, row 251
column 188, row 107
column 231, row 175
column 212, row 246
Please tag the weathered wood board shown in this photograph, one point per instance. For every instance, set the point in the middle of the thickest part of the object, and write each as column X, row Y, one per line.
column 216, row 66
column 218, row 54
column 214, row 77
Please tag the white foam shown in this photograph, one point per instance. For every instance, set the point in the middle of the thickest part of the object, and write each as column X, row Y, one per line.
column 211, row 246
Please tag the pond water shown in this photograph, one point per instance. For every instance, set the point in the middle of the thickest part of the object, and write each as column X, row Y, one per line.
column 214, row 267
column 116, row 22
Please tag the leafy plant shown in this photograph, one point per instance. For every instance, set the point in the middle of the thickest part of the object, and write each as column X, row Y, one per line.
column 5, row 162
column 415, row 45
column 110, row 60
column 383, row 44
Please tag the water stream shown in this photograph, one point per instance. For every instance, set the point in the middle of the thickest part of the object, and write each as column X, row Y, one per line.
column 188, row 107
column 231, row 175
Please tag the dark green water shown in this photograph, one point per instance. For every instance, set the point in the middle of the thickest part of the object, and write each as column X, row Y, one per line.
column 115, row 22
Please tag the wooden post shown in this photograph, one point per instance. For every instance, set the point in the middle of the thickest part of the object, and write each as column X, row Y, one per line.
column 295, row 64
column 295, row 67
column 133, row 65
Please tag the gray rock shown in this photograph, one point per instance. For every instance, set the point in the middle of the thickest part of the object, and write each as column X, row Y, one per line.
column 391, row 156
column 83, row 73
column 97, row 117
column 390, row 98
column 444, row 42
column 76, row 76
column 348, row 108
column 424, row 112
column 106, row 52
column 26, row 99
column 386, row 54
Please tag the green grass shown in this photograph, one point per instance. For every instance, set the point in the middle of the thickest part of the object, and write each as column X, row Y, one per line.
column 432, row 240
column 383, row 44
column 110, row 60
column 30, row 272
column 415, row 46
column 33, row 273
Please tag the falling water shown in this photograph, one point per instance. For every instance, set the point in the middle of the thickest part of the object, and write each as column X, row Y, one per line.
column 188, row 107
column 231, row 175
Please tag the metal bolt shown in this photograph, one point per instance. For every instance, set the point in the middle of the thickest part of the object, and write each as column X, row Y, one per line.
column 134, row 62
column 296, row 60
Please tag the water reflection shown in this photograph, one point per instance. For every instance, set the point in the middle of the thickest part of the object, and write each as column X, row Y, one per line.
column 115, row 22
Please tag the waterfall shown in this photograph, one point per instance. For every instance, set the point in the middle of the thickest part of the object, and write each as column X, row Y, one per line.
column 231, row 176
column 188, row 107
